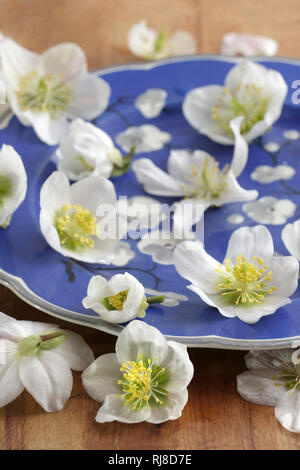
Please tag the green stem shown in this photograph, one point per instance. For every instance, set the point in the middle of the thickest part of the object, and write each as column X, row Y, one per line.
column 156, row 299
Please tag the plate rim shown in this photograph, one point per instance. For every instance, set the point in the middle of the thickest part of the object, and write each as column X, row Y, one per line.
column 18, row 286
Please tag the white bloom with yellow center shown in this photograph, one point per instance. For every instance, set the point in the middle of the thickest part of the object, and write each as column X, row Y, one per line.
column 87, row 150
column 13, row 183
column 39, row 357
column 46, row 91
column 291, row 238
column 250, row 283
column 250, row 90
column 273, row 379
column 196, row 175
column 72, row 220
column 145, row 380
column 149, row 44
column 118, row 300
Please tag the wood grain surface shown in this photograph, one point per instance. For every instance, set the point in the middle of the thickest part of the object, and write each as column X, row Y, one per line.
column 216, row 417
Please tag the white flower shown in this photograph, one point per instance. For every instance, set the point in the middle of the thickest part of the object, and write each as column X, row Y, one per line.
column 250, row 283
column 39, row 358
column 291, row 238
column 251, row 90
column 269, row 210
column 145, row 380
column 87, row 150
column 72, row 221
column 145, row 138
column 237, row 44
column 269, row 174
column 118, row 300
column 151, row 103
column 45, row 91
column 274, row 380
column 197, row 176
column 149, row 44
column 13, row 183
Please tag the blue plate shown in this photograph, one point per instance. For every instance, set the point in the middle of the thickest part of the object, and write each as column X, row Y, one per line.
column 56, row 285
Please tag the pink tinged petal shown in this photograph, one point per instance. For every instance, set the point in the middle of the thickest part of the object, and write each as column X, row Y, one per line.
column 155, row 180
column 177, row 363
column 287, row 411
column 114, row 409
column 75, row 351
column 48, row 379
column 193, row 263
column 251, row 241
column 10, row 384
column 101, row 377
column 171, row 410
column 259, row 387
column 139, row 338
column 240, row 152
column 90, row 97
column 236, row 44
column 66, row 58
column 182, row 43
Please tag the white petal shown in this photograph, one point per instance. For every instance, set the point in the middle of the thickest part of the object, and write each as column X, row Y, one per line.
column 285, row 271
column 237, row 44
column 101, row 377
column 291, row 238
column 10, row 328
column 182, row 43
column 234, row 192
column 180, row 161
column 287, row 411
column 269, row 359
column 90, row 97
column 10, row 384
column 114, row 409
column 55, row 192
column 193, row 263
column 67, row 59
column 48, row 379
column 240, row 152
column 139, row 338
column 179, row 366
column 259, row 387
column 155, row 180
column 48, row 129
column 16, row 62
column 172, row 410
column 251, row 241
column 75, row 351
column 187, row 213
column 92, row 192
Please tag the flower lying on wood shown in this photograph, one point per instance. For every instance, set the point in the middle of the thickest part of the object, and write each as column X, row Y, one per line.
column 197, row 176
column 236, row 44
column 149, row 44
column 118, row 300
column 273, row 379
column 87, row 150
column 145, row 380
column 71, row 217
column 250, row 283
column 250, row 90
column 291, row 238
column 39, row 357
column 47, row 90
column 13, row 183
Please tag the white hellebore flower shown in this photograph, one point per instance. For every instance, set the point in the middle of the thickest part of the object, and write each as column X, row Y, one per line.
column 273, row 379
column 80, row 221
column 47, row 90
column 149, row 44
column 87, row 150
column 291, row 238
column 118, row 300
column 197, row 176
column 250, row 283
column 39, row 357
column 13, row 183
column 145, row 380
column 151, row 103
column 250, row 90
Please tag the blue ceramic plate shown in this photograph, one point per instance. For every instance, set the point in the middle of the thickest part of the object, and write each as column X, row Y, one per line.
column 56, row 285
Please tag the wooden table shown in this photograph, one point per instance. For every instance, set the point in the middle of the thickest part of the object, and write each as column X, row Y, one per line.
column 215, row 416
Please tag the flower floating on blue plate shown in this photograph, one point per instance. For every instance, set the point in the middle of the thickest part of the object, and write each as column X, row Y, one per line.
column 250, row 283
column 45, row 91
column 13, row 183
column 291, row 238
column 250, row 90
column 149, row 44
column 70, row 220
column 145, row 380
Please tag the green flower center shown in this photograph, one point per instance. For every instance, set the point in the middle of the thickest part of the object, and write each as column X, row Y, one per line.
column 76, row 226
column 209, row 181
column 33, row 344
column 289, row 376
column 47, row 93
column 245, row 282
column 245, row 100
column 5, row 189
column 143, row 383
column 116, row 302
